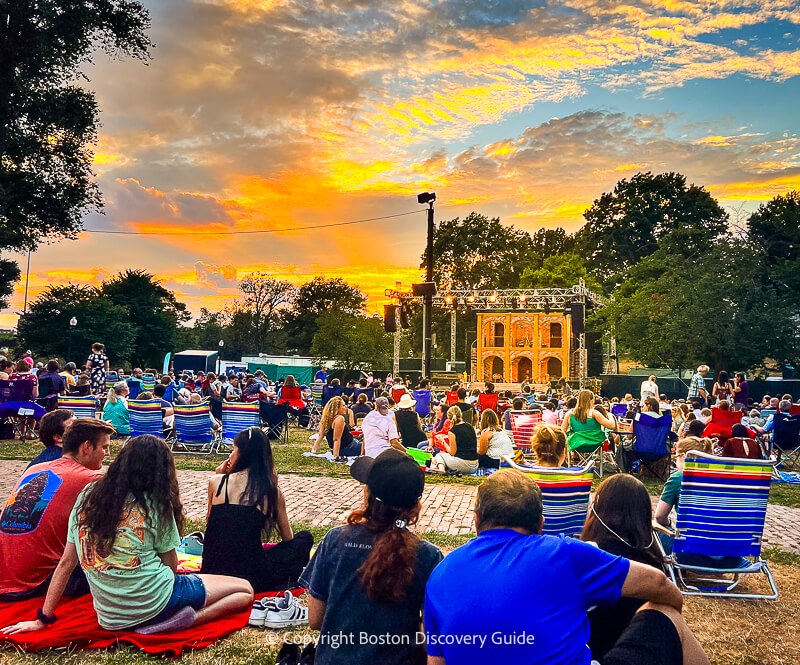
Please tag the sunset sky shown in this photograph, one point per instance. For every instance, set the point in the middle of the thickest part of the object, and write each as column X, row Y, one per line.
column 275, row 114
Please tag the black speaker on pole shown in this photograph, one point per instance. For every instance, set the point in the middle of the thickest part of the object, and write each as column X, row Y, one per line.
column 423, row 289
column 577, row 311
column 404, row 322
column 389, row 320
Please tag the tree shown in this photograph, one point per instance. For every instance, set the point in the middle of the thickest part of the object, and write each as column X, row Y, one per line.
column 314, row 298
column 478, row 252
column 631, row 223
column 153, row 311
column 9, row 273
column 46, row 122
column 45, row 328
column 559, row 271
column 546, row 243
column 264, row 296
column 352, row 342
column 679, row 313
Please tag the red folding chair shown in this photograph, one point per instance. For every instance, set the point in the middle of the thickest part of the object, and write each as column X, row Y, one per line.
column 487, row 401
column 452, row 398
column 721, row 423
column 522, row 426
column 397, row 394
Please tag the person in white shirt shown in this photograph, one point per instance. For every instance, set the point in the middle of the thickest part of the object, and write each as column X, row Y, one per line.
column 380, row 430
column 649, row 388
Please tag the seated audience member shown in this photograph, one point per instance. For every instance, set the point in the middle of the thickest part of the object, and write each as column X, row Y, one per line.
column 254, row 391
column 361, row 407
column 124, row 531
column 409, row 424
column 58, row 384
column 684, row 428
column 651, row 407
column 34, row 521
column 550, row 413
column 461, row 450
column 705, row 415
column 167, row 410
column 6, row 368
column 494, row 442
column 619, row 522
column 368, row 578
column 23, row 372
column 379, row 429
column 468, row 414
column 518, row 404
column 549, row 444
column 244, row 503
column 784, row 406
column 543, row 618
column 115, row 409
column 472, row 398
column 335, row 429
column 51, row 434
column 196, row 398
column 695, row 428
column 83, row 386
column 741, row 444
column 291, row 395
column 584, row 424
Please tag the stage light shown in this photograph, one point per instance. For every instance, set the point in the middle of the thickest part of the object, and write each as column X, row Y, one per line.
column 522, row 298
column 493, row 297
column 471, row 297
column 448, row 299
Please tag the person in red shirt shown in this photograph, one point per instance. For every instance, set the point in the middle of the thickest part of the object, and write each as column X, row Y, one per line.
column 741, row 444
column 34, row 519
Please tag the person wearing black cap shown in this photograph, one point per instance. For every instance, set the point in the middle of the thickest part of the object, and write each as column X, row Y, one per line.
column 366, row 582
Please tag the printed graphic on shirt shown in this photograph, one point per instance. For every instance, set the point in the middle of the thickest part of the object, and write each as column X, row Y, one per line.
column 27, row 504
column 122, row 555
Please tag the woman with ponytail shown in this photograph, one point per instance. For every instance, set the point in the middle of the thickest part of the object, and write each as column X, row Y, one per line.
column 368, row 578
column 115, row 410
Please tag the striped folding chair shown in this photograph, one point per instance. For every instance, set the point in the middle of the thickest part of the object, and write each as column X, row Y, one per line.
column 193, row 433
column 316, row 393
column 565, row 496
column 721, row 513
column 146, row 417
column 82, row 407
column 522, row 425
column 238, row 416
column 148, row 382
column 111, row 379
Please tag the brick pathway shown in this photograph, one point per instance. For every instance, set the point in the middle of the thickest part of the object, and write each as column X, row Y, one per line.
column 324, row 501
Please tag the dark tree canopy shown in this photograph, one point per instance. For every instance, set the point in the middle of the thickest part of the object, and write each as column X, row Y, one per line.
column 630, row 223
column 351, row 342
column 478, row 252
column 775, row 228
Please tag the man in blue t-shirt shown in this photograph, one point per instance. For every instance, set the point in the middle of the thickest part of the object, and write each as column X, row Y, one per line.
column 513, row 596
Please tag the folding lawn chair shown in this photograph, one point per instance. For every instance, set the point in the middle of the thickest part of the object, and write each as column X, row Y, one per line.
column 238, row 416
column 316, row 392
column 650, row 445
column 193, row 431
column 16, row 404
column 785, row 444
column 452, row 398
column 148, row 382
column 565, row 496
column 146, row 417
column 397, row 393
column 488, row 401
column 619, row 410
column 82, row 407
column 423, row 405
column 721, row 424
column 111, row 378
column 275, row 421
column 721, row 512
column 522, row 426
column 329, row 392
column 134, row 388
column 368, row 391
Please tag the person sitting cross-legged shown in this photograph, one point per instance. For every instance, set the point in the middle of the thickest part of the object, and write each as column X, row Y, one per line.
column 528, row 594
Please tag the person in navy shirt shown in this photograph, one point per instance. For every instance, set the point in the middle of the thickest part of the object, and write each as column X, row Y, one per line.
column 514, row 596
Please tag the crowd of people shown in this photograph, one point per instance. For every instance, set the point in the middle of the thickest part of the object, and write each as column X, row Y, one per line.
column 510, row 594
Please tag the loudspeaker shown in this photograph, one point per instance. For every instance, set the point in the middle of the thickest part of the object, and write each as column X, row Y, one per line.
column 424, row 289
column 594, row 353
column 404, row 322
column 577, row 311
column 389, row 321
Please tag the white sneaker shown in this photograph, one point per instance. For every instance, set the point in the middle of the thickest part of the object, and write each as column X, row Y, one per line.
column 286, row 612
column 259, row 612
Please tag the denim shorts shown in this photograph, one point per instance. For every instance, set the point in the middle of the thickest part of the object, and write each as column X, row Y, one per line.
column 187, row 591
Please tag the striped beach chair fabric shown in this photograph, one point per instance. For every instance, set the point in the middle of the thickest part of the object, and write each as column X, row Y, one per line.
column 565, row 496
column 111, row 379
column 522, row 425
column 148, row 382
column 316, row 392
column 146, row 417
column 193, row 433
column 721, row 513
column 237, row 416
column 82, row 407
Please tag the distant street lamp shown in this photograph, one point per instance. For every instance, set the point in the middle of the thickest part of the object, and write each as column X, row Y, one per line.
column 221, row 344
column 72, row 323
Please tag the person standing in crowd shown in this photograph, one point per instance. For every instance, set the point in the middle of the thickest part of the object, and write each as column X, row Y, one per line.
column 380, row 430
column 697, row 388
column 51, row 433
column 244, row 503
column 97, row 366
column 649, row 388
column 32, row 543
column 741, row 392
column 723, row 388
column 369, row 576
column 124, row 531
column 546, row 615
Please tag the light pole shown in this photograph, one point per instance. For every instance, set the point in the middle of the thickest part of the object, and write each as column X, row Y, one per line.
column 427, row 301
column 72, row 323
column 219, row 359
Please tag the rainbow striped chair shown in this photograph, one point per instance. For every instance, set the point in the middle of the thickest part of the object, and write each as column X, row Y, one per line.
column 148, row 382
column 111, row 378
column 193, row 432
column 721, row 512
column 82, row 407
column 238, row 416
column 522, row 426
column 146, row 417
column 565, row 496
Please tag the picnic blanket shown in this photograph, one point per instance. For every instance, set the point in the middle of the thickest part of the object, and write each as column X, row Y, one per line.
column 77, row 627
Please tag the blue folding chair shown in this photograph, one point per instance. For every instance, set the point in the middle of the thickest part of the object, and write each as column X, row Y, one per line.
column 619, row 410
column 146, row 417
column 238, row 416
column 369, row 391
column 193, row 431
column 785, row 442
column 423, row 404
column 148, row 382
column 651, row 444
column 134, row 388
column 82, row 407
column 329, row 392
column 721, row 513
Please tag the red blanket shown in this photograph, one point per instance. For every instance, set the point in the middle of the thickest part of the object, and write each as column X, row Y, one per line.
column 77, row 626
